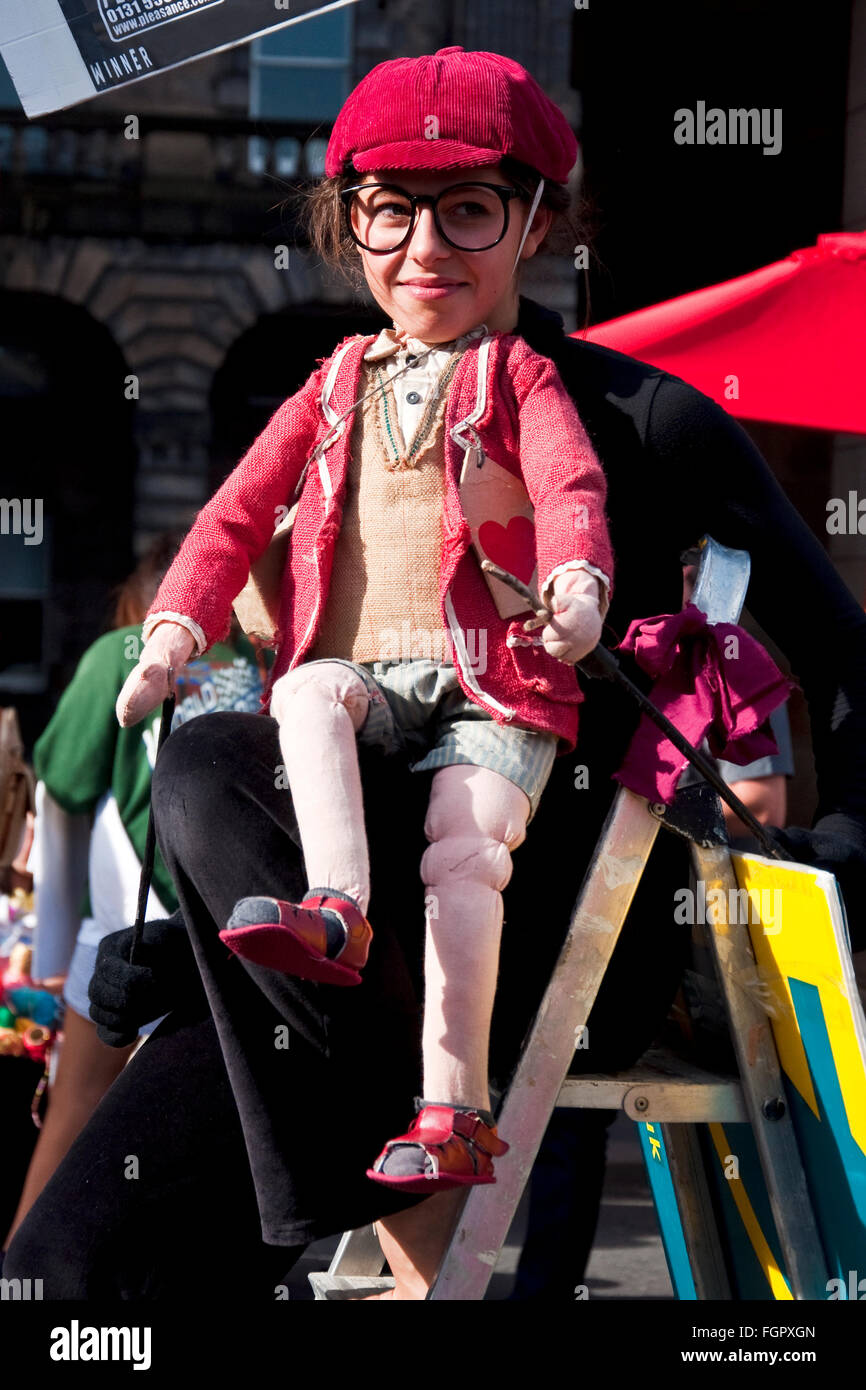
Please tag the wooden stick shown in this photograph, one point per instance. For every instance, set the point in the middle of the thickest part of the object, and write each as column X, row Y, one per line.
column 542, row 613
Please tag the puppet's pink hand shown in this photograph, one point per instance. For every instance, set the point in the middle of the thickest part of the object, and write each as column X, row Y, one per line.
column 168, row 648
column 576, row 626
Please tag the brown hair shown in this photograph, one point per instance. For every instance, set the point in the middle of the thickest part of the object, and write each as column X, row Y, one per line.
column 135, row 595
column 322, row 213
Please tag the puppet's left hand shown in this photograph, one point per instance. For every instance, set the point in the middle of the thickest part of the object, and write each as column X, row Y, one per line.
column 576, row 626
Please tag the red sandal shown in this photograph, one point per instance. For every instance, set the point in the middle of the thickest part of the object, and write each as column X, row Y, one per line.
column 453, row 1148
column 293, row 938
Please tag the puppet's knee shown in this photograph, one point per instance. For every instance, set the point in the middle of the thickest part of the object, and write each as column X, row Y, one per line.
column 318, row 685
column 464, row 859
column 469, row 800
column 475, row 818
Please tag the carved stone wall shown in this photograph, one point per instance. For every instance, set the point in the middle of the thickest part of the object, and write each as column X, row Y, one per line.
column 174, row 312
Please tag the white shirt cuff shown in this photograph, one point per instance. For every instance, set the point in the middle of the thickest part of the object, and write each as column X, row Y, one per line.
column 189, row 623
column 604, row 581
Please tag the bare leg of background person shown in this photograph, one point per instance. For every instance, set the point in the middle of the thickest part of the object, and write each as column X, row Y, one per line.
column 85, row 1070
column 414, row 1241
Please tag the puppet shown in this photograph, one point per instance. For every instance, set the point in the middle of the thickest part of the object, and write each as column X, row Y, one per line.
column 411, row 455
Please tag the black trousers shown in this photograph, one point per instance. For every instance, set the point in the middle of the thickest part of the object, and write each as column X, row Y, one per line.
column 254, row 1110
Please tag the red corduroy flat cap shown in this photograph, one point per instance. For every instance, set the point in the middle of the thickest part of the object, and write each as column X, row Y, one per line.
column 451, row 110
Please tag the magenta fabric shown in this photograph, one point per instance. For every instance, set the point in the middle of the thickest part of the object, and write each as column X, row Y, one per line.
column 713, row 681
column 451, row 109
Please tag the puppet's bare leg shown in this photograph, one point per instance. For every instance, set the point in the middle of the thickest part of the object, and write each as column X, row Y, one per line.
column 475, row 818
column 320, row 709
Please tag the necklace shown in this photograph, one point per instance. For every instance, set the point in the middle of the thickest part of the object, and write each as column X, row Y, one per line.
column 402, row 457
column 411, row 362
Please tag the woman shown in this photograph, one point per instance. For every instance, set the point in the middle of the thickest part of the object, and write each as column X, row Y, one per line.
column 309, row 1112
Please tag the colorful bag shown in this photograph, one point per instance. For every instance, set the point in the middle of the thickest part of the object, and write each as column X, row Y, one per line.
column 17, row 787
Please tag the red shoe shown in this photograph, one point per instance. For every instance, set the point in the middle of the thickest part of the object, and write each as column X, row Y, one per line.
column 293, row 939
column 445, row 1147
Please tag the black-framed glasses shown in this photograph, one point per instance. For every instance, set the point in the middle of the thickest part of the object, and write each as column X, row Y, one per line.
column 380, row 217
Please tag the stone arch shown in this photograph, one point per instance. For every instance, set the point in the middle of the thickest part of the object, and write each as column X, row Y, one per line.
column 268, row 363
column 175, row 311
column 67, row 435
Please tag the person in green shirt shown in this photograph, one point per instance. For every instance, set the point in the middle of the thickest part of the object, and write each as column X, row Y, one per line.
column 92, row 806
column 91, row 769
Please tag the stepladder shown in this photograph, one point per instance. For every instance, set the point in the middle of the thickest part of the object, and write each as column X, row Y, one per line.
column 737, row 1160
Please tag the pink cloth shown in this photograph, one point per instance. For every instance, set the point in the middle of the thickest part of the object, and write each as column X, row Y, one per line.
column 713, row 681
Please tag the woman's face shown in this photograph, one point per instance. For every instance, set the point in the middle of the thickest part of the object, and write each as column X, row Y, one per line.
column 436, row 292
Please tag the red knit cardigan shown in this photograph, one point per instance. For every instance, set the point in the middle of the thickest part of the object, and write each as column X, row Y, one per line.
column 503, row 395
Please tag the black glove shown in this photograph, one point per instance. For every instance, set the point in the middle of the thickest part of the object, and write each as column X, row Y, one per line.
column 124, row 996
column 836, row 843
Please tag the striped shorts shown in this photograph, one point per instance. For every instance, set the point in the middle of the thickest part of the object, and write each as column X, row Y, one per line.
column 418, row 707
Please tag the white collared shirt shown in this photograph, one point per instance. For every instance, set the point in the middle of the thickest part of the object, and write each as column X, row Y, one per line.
column 414, row 387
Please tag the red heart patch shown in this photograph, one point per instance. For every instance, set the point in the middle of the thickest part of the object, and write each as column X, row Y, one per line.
column 512, row 547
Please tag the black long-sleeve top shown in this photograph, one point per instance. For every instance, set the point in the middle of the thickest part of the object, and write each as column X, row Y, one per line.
column 679, row 466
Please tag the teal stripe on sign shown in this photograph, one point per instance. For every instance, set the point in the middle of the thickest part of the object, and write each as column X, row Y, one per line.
column 748, row 1280
column 662, row 1187
column 835, row 1164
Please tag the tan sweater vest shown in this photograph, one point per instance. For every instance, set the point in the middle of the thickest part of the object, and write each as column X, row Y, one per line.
column 383, row 596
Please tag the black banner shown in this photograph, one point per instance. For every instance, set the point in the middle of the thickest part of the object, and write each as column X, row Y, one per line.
column 61, row 52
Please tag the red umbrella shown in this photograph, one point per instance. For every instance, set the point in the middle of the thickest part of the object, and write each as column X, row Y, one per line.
column 786, row 343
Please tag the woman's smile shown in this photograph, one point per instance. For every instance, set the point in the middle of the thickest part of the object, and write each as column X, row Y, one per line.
column 432, row 288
